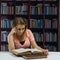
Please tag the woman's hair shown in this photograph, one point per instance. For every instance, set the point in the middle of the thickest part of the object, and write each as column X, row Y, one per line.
column 19, row 21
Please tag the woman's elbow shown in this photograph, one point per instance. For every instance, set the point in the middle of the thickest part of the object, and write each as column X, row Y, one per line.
column 10, row 49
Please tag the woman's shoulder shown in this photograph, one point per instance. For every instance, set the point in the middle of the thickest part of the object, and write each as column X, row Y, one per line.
column 30, row 34
column 28, row 31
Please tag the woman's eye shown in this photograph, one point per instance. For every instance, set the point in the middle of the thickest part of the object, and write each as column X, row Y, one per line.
column 19, row 29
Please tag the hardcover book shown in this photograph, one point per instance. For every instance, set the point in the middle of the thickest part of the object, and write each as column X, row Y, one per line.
column 29, row 53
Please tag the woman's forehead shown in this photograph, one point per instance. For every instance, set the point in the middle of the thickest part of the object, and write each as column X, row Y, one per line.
column 20, row 26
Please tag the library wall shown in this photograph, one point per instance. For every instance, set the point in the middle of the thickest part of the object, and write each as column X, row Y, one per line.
column 42, row 18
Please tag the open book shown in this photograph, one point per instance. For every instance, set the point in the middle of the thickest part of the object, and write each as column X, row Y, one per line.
column 29, row 53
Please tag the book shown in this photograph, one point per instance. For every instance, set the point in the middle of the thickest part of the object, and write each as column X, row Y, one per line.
column 29, row 53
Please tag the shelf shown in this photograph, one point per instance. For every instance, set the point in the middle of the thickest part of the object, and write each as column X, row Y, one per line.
column 51, row 30
column 4, row 42
column 50, row 16
column 51, row 2
column 5, row 29
column 36, row 2
column 36, row 16
column 25, row 16
column 19, row 2
column 36, row 29
column 7, row 15
column 6, row 1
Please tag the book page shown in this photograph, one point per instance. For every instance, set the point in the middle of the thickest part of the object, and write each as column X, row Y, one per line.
column 21, row 50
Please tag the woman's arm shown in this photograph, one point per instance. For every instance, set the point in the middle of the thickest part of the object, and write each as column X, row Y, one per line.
column 10, row 43
column 34, row 45
column 10, row 40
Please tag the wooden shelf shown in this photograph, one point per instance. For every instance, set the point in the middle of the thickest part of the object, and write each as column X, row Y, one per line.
column 5, row 29
column 51, row 30
column 36, row 29
column 4, row 42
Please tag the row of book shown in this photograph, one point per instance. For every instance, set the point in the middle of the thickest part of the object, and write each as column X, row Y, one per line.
column 4, row 36
column 34, row 23
column 50, row 23
column 38, row 36
column 21, row 9
column 50, row 10
column 5, row 9
column 4, row 47
column 51, row 48
column 38, row 23
column 6, row 23
column 34, row 10
column 49, row 36
column 38, row 9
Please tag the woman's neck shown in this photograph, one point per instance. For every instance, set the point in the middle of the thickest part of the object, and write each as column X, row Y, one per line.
column 20, row 38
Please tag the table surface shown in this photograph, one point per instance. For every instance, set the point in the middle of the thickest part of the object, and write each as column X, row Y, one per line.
column 9, row 56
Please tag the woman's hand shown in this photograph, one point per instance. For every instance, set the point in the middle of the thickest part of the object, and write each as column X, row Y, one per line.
column 45, row 51
column 13, row 30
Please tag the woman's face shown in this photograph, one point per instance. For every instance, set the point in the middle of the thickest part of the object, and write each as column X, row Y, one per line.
column 20, row 29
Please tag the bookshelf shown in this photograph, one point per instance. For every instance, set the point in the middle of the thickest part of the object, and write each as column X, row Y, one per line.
column 10, row 9
column 42, row 17
column 46, row 22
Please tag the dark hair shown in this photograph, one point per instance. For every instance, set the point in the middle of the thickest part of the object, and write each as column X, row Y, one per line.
column 19, row 21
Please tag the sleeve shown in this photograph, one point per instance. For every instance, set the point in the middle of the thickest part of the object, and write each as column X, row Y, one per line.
column 30, row 35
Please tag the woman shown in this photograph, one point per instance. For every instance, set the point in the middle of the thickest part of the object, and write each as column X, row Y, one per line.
column 21, row 37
